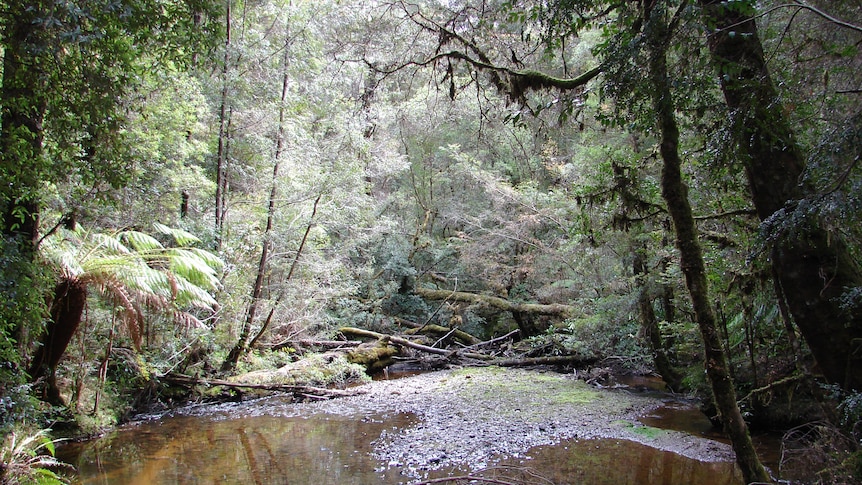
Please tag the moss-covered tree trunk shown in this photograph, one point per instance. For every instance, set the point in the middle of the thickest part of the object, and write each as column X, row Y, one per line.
column 813, row 265
column 675, row 193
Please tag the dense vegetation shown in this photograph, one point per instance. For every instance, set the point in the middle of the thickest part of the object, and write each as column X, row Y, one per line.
column 194, row 187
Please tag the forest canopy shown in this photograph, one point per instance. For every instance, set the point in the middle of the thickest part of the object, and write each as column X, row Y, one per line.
column 195, row 187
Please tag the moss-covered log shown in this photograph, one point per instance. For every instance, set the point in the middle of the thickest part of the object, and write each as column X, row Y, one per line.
column 440, row 331
column 358, row 332
column 374, row 356
column 557, row 309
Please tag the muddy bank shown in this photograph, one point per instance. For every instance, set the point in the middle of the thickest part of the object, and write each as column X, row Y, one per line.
column 474, row 416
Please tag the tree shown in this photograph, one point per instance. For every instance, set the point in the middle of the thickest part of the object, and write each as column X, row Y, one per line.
column 658, row 33
column 644, row 33
column 67, row 71
column 814, row 266
column 134, row 272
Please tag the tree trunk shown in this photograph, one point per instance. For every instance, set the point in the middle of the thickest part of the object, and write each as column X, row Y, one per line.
column 70, row 298
column 223, row 133
column 675, row 193
column 813, row 265
column 242, row 346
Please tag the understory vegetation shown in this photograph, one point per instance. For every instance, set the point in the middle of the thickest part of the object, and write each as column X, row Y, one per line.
column 199, row 192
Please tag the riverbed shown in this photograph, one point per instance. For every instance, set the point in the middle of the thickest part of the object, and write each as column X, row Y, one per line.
column 521, row 425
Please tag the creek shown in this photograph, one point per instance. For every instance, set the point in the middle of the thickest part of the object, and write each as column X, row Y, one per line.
column 273, row 441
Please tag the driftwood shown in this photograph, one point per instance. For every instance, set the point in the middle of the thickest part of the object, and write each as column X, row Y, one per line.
column 307, row 391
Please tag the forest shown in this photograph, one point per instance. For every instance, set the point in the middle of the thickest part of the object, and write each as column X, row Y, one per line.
column 191, row 190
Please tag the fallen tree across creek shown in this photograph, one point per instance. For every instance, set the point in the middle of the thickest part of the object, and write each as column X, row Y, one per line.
column 499, row 303
column 485, row 359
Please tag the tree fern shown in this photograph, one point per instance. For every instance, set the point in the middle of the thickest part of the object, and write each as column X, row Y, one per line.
column 135, row 273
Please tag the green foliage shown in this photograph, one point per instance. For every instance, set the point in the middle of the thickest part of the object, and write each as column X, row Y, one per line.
column 22, row 313
column 28, row 458
column 609, row 332
column 22, row 304
column 131, row 262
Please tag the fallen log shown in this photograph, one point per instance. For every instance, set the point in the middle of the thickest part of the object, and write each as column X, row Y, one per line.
column 184, row 380
column 486, row 359
column 413, row 345
column 374, row 356
column 324, row 344
column 440, row 331
column 559, row 309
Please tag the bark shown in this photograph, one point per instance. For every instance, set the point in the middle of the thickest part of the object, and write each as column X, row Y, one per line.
column 223, row 132
column 814, row 266
column 67, row 308
column 675, row 193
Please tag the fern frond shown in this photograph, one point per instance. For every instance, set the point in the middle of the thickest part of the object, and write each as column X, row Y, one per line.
column 191, row 295
column 98, row 244
column 140, row 241
column 182, row 238
column 211, row 259
column 192, row 267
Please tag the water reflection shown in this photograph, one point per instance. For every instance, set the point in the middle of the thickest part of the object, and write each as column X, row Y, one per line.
column 257, row 444
column 317, row 449
column 619, row 462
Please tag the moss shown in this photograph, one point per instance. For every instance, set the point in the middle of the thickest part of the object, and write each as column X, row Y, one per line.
column 645, row 431
column 315, row 370
column 532, row 396
column 373, row 356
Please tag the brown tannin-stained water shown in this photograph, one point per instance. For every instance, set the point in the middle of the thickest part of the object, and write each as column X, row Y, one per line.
column 273, row 441
column 325, row 449
column 317, row 449
column 613, row 462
